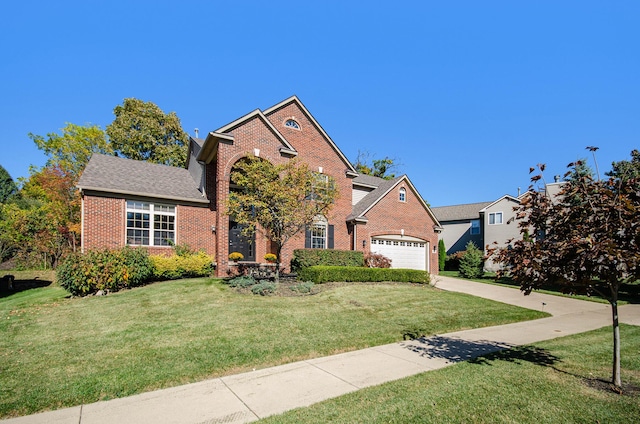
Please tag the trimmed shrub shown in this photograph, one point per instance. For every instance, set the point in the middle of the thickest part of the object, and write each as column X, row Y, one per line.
column 108, row 270
column 303, row 258
column 183, row 265
column 263, row 288
column 377, row 260
column 325, row 274
column 471, row 263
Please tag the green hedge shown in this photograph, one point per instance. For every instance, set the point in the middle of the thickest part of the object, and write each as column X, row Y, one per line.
column 181, row 266
column 325, row 274
column 111, row 270
column 304, row 258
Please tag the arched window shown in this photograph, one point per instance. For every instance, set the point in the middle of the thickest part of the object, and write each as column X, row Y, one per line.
column 291, row 123
column 402, row 196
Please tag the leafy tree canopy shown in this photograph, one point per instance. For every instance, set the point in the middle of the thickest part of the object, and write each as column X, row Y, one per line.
column 278, row 200
column 142, row 131
column 7, row 185
column 625, row 169
column 72, row 149
column 382, row 168
column 587, row 240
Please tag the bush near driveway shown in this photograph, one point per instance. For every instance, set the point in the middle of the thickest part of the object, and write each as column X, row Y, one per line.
column 325, row 274
column 303, row 258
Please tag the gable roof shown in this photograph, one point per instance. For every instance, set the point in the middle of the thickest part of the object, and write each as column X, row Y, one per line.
column 111, row 174
column 506, row 196
column 384, row 187
column 460, row 212
column 351, row 171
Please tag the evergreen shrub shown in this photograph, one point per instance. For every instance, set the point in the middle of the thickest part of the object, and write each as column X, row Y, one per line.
column 325, row 274
column 303, row 258
column 471, row 262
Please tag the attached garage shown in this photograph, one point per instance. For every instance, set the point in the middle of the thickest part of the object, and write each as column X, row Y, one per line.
column 404, row 252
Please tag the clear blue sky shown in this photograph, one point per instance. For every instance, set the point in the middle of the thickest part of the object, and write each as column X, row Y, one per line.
column 466, row 95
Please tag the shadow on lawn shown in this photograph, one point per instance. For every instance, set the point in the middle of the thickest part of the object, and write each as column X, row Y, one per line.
column 482, row 352
column 21, row 285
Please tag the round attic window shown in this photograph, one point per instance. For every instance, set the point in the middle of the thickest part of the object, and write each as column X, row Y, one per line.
column 291, row 123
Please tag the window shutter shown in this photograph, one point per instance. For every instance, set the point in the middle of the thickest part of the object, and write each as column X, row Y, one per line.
column 330, row 237
column 307, row 237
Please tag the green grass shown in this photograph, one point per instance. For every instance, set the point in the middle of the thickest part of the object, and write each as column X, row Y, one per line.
column 550, row 382
column 57, row 351
column 629, row 293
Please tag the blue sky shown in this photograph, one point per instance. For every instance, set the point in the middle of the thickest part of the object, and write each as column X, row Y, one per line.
column 466, row 95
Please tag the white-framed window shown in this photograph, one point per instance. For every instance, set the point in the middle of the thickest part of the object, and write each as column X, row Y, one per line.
column 150, row 224
column 292, row 123
column 319, row 233
column 495, row 218
column 475, row 227
column 402, row 195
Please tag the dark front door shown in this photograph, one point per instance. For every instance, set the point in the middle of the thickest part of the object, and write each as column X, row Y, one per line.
column 240, row 243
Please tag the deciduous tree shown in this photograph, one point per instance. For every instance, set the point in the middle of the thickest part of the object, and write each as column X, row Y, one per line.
column 278, row 201
column 586, row 239
column 142, row 131
column 71, row 150
column 382, row 168
column 7, row 185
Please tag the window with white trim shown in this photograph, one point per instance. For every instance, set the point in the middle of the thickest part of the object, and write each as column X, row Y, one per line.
column 319, row 234
column 475, row 227
column 292, row 123
column 150, row 224
column 495, row 218
column 402, row 196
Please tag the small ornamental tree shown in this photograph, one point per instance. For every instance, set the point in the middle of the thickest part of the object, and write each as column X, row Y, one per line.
column 442, row 255
column 471, row 263
column 278, row 201
column 587, row 239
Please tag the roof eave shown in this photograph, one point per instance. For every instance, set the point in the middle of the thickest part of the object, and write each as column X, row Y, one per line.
column 84, row 189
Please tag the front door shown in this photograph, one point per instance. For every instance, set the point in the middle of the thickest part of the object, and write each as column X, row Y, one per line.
column 240, row 243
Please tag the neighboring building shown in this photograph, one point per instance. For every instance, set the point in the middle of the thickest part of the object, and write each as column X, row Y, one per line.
column 127, row 202
column 482, row 223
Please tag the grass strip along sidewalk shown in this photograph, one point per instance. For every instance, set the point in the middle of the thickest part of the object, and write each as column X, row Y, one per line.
column 557, row 381
column 57, row 352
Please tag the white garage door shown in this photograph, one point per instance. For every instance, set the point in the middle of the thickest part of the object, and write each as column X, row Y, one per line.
column 403, row 253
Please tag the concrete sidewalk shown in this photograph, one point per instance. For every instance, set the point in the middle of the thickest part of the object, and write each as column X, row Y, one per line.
column 250, row 396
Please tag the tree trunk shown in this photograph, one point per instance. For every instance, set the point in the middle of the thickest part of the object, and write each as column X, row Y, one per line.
column 615, row 379
column 278, row 251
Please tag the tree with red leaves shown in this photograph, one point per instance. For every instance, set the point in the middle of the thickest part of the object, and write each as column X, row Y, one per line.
column 586, row 239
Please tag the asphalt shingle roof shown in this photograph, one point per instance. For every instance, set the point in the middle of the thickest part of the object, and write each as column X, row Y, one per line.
column 371, row 198
column 112, row 174
column 459, row 212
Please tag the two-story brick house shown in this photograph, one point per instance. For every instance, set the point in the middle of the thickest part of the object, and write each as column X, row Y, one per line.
column 127, row 202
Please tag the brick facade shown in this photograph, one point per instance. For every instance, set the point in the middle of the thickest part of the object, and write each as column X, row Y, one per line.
column 265, row 134
column 395, row 218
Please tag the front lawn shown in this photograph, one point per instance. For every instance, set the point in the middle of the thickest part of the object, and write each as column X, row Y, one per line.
column 557, row 381
column 57, row 352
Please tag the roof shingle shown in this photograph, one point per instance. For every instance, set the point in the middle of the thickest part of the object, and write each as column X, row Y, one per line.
column 112, row 174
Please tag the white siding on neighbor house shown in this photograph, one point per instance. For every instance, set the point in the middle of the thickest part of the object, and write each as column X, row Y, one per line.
column 357, row 194
column 500, row 233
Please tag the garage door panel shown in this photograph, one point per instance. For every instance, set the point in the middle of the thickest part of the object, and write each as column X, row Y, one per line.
column 403, row 254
